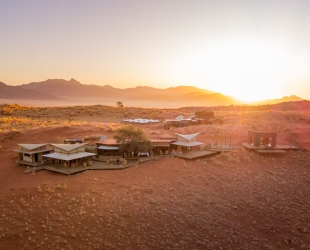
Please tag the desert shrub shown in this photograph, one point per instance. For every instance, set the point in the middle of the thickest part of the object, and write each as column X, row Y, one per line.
column 247, row 159
column 233, row 158
column 132, row 139
column 1, row 149
column 7, row 111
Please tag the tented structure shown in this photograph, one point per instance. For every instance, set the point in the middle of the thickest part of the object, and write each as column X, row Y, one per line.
column 69, row 155
column 31, row 154
column 187, row 143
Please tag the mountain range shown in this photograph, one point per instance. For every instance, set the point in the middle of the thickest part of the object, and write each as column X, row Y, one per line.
column 60, row 89
column 19, row 92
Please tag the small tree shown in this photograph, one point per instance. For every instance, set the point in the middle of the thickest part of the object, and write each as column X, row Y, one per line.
column 204, row 114
column 119, row 104
column 132, row 139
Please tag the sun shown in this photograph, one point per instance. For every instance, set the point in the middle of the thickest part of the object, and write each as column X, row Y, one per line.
column 248, row 70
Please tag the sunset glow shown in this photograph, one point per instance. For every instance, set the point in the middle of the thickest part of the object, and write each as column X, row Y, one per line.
column 249, row 70
column 251, row 50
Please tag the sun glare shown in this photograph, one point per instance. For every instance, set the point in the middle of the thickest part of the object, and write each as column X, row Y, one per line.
column 248, row 70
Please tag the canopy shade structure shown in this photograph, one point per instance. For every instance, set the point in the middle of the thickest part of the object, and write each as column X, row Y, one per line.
column 66, row 157
column 180, row 117
column 139, row 120
column 68, row 147
column 108, row 147
column 191, row 117
column 187, row 144
column 188, row 137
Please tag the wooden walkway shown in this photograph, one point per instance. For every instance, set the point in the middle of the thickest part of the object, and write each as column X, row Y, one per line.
column 97, row 165
column 196, row 154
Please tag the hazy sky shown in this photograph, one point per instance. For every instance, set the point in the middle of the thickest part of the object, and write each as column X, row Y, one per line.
column 246, row 48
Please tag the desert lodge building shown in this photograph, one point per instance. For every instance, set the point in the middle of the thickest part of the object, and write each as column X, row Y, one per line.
column 181, row 143
column 76, row 154
column 186, row 143
column 66, row 155
column 70, row 155
column 32, row 154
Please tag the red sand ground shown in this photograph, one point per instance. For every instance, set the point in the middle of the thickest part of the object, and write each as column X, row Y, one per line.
column 236, row 200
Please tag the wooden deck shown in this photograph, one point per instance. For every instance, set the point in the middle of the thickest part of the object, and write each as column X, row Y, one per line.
column 32, row 164
column 34, row 169
column 196, row 154
column 287, row 147
column 224, row 148
column 278, row 147
column 270, row 151
column 97, row 165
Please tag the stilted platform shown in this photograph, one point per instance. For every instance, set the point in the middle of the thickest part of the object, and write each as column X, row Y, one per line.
column 272, row 151
column 196, row 154
column 97, row 165
column 32, row 164
column 278, row 147
column 278, row 150
column 34, row 169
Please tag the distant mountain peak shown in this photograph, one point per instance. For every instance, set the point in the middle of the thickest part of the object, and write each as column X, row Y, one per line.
column 74, row 81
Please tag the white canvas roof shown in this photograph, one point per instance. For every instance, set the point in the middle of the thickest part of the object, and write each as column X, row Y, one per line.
column 32, row 146
column 140, row 120
column 187, row 144
column 108, row 147
column 188, row 137
column 68, row 147
column 180, row 117
column 66, row 157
